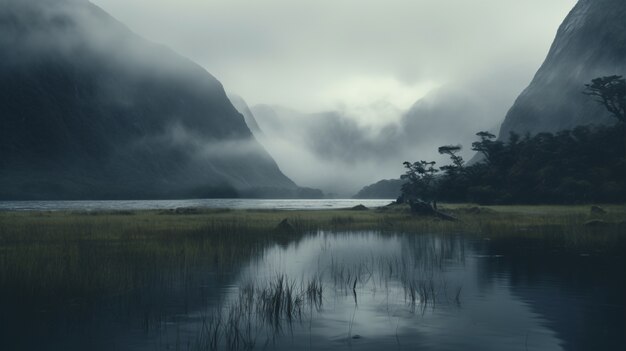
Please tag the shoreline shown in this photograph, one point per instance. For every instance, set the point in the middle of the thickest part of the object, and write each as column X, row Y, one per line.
column 52, row 259
column 472, row 218
column 165, row 204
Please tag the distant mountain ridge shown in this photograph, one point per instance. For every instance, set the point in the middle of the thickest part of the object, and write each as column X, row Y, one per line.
column 384, row 189
column 89, row 110
column 590, row 43
column 333, row 142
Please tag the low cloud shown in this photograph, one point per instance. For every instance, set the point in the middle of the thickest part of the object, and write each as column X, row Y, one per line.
column 339, row 154
column 400, row 78
column 308, row 54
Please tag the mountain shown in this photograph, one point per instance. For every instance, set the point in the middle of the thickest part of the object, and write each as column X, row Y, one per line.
column 328, row 150
column 329, row 134
column 242, row 107
column 350, row 154
column 447, row 116
column 590, row 43
column 384, row 189
column 89, row 110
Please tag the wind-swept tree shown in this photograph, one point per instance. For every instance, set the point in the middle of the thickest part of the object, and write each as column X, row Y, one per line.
column 454, row 181
column 484, row 145
column 581, row 165
column 457, row 161
column 610, row 91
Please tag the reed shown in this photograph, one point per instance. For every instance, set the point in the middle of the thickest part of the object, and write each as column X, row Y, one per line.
column 269, row 308
column 52, row 260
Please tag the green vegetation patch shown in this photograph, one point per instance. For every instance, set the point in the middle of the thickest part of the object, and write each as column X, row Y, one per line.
column 55, row 257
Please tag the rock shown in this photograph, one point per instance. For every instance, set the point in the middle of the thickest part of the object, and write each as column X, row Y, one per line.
column 285, row 226
column 597, row 210
column 589, row 44
column 359, row 208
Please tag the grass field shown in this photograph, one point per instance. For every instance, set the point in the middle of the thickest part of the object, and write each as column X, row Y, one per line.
column 126, row 225
column 60, row 256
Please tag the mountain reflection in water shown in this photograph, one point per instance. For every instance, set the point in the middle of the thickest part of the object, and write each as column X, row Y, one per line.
column 364, row 291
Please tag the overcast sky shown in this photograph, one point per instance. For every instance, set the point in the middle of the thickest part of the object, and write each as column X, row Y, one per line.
column 316, row 55
column 369, row 61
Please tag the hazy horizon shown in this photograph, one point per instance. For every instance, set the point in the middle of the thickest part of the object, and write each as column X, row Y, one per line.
column 368, row 62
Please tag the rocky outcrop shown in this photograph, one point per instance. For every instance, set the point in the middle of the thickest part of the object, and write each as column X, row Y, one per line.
column 590, row 43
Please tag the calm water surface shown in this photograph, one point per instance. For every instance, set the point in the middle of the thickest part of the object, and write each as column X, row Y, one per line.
column 129, row 205
column 362, row 291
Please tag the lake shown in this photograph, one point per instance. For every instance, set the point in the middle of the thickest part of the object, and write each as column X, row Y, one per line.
column 134, row 205
column 350, row 291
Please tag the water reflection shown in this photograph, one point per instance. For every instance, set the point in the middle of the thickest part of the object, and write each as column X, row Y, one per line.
column 366, row 291
column 580, row 292
column 397, row 291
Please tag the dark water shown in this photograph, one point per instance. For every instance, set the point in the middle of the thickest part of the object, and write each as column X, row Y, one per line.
column 133, row 205
column 393, row 292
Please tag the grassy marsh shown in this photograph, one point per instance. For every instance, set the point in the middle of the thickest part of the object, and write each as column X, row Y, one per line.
column 73, row 255
column 72, row 261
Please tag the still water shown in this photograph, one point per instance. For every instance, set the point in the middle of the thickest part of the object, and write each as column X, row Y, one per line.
column 360, row 291
column 133, row 205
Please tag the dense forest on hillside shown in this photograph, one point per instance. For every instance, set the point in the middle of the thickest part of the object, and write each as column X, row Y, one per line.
column 582, row 165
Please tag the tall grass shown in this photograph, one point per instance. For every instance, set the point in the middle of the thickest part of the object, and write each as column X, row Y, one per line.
column 75, row 255
column 265, row 309
column 60, row 260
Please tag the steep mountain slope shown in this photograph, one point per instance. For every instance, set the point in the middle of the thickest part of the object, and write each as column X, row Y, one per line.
column 590, row 43
column 240, row 104
column 90, row 110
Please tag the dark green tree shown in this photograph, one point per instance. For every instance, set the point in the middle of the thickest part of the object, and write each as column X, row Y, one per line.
column 457, row 161
column 610, row 91
column 583, row 165
column 421, row 182
column 484, row 146
column 453, row 182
